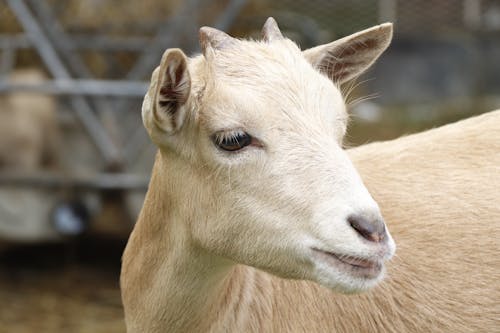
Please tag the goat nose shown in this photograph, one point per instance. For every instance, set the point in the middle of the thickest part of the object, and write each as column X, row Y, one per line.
column 372, row 230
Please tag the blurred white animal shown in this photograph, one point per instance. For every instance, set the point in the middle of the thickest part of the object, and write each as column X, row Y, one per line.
column 29, row 130
column 29, row 135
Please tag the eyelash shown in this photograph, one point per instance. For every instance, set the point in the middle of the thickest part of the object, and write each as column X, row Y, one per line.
column 232, row 141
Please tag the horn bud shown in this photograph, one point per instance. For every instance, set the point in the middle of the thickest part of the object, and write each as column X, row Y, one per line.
column 271, row 31
column 215, row 39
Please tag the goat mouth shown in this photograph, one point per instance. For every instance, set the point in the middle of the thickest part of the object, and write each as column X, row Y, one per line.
column 355, row 266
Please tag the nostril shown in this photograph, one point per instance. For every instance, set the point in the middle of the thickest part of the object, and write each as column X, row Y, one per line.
column 372, row 230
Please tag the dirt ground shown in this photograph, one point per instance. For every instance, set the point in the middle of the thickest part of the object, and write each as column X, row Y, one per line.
column 70, row 287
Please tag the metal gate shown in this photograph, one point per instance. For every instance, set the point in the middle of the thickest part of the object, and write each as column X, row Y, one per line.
column 106, row 105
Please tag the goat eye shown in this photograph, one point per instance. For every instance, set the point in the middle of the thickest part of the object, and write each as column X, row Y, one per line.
column 232, row 141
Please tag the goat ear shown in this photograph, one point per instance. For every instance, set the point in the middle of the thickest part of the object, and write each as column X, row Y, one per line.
column 172, row 91
column 348, row 57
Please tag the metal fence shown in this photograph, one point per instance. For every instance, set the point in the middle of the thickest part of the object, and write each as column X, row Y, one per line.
column 99, row 55
column 98, row 60
column 60, row 53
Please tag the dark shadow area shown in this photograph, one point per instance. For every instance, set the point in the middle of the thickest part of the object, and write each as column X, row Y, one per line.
column 67, row 287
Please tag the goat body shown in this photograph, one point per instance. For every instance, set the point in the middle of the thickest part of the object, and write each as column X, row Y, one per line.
column 252, row 198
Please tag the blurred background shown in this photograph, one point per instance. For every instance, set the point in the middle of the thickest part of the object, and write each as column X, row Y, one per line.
column 75, row 159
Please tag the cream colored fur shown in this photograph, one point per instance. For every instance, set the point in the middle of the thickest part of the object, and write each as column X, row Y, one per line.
column 29, row 142
column 29, row 131
column 215, row 224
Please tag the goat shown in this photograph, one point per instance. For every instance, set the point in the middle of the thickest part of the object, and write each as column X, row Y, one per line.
column 29, row 141
column 28, row 127
column 252, row 198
